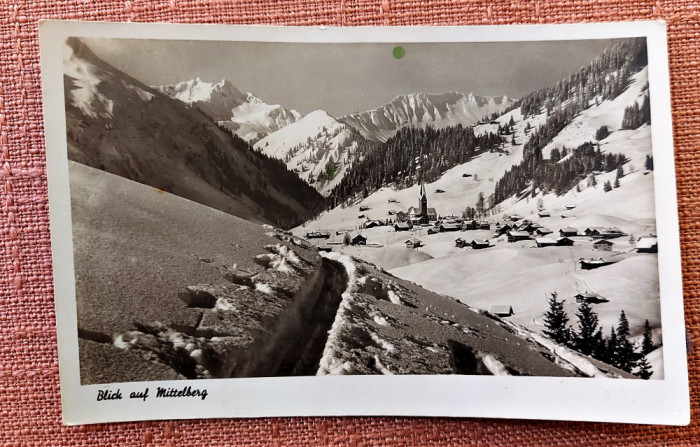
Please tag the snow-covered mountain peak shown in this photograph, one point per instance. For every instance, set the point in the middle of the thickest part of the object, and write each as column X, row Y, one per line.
column 197, row 91
column 244, row 114
column 423, row 109
column 317, row 147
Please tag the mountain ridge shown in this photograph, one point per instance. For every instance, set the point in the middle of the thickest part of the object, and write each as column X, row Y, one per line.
column 422, row 109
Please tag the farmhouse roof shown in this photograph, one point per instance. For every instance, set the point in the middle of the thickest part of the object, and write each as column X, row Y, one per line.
column 646, row 242
column 501, row 309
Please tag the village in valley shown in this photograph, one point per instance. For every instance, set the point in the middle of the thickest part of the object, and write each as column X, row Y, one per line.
column 510, row 265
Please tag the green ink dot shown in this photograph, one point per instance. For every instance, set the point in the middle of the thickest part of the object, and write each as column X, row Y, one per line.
column 399, row 52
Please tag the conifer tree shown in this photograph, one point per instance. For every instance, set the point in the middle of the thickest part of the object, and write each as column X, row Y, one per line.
column 624, row 354
column 647, row 342
column 588, row 336
column 607, row 187
column 602, row 133
column 611, row 348
column 480, row 204
column 556, row 320
column 644, row 370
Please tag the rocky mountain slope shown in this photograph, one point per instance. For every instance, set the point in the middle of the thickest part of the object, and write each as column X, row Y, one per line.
column 246, row 115
column 117, row 124
column 203, row 294
column 422, row 109
column 317, row 147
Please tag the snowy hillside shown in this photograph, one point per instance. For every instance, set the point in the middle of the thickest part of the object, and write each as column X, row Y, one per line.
column 532, row 273
column 119, row 125
column 421, row 109
column 317, row 147
column 246, row 115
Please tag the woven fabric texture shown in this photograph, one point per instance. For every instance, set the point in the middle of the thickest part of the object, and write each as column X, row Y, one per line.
column 30, row 411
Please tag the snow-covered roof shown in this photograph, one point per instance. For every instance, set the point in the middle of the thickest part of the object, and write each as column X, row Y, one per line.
column 519, row 233
column 569, row 230
column 501, row 309
column 545, row 240
column 586, row 295
column 647, row 242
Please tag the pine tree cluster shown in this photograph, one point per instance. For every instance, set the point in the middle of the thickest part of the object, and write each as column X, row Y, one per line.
column 409, row 155
column 553, row 174
column 617, row 349
column 636, row 115
column 604, row 78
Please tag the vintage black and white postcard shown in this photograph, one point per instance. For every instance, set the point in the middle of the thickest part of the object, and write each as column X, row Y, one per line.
column 456, row 221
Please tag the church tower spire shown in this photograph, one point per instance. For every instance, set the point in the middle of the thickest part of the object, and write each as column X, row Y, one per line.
column 423, row 203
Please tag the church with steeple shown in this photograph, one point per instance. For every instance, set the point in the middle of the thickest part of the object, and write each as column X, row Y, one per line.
column 422, row 214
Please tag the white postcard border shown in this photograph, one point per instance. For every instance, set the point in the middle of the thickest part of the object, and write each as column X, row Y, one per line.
column 632, row 401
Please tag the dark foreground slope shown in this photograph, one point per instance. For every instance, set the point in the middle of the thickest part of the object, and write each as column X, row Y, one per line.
column 117, row 124
column 170, row 289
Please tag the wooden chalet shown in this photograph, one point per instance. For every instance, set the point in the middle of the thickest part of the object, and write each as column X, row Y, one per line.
column 543, row 231
column 470, row 225
column 648, row 244
column 478, row 245
column 545, row 242
column 503, row 229
column 529, row 227
column 358, row 239
column 604, row 232
column 515, row 236
column 602, row 245
column 414, row 243
column 372, row 223
column 433, row 230
column 501, row 310
column 568, row 231
column 402, row 226
column 564, row 242
column 484, row 225
column 460, row 243
column 591, row 298
column 591, row 264
column 449, row 227
column 317, row 235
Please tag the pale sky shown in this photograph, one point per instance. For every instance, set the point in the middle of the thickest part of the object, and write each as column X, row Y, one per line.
column 342, row 78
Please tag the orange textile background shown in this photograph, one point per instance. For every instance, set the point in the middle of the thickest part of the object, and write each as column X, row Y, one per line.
column 30, row 412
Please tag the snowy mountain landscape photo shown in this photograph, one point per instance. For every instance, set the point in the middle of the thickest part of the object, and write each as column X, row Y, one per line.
column 269, row 209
